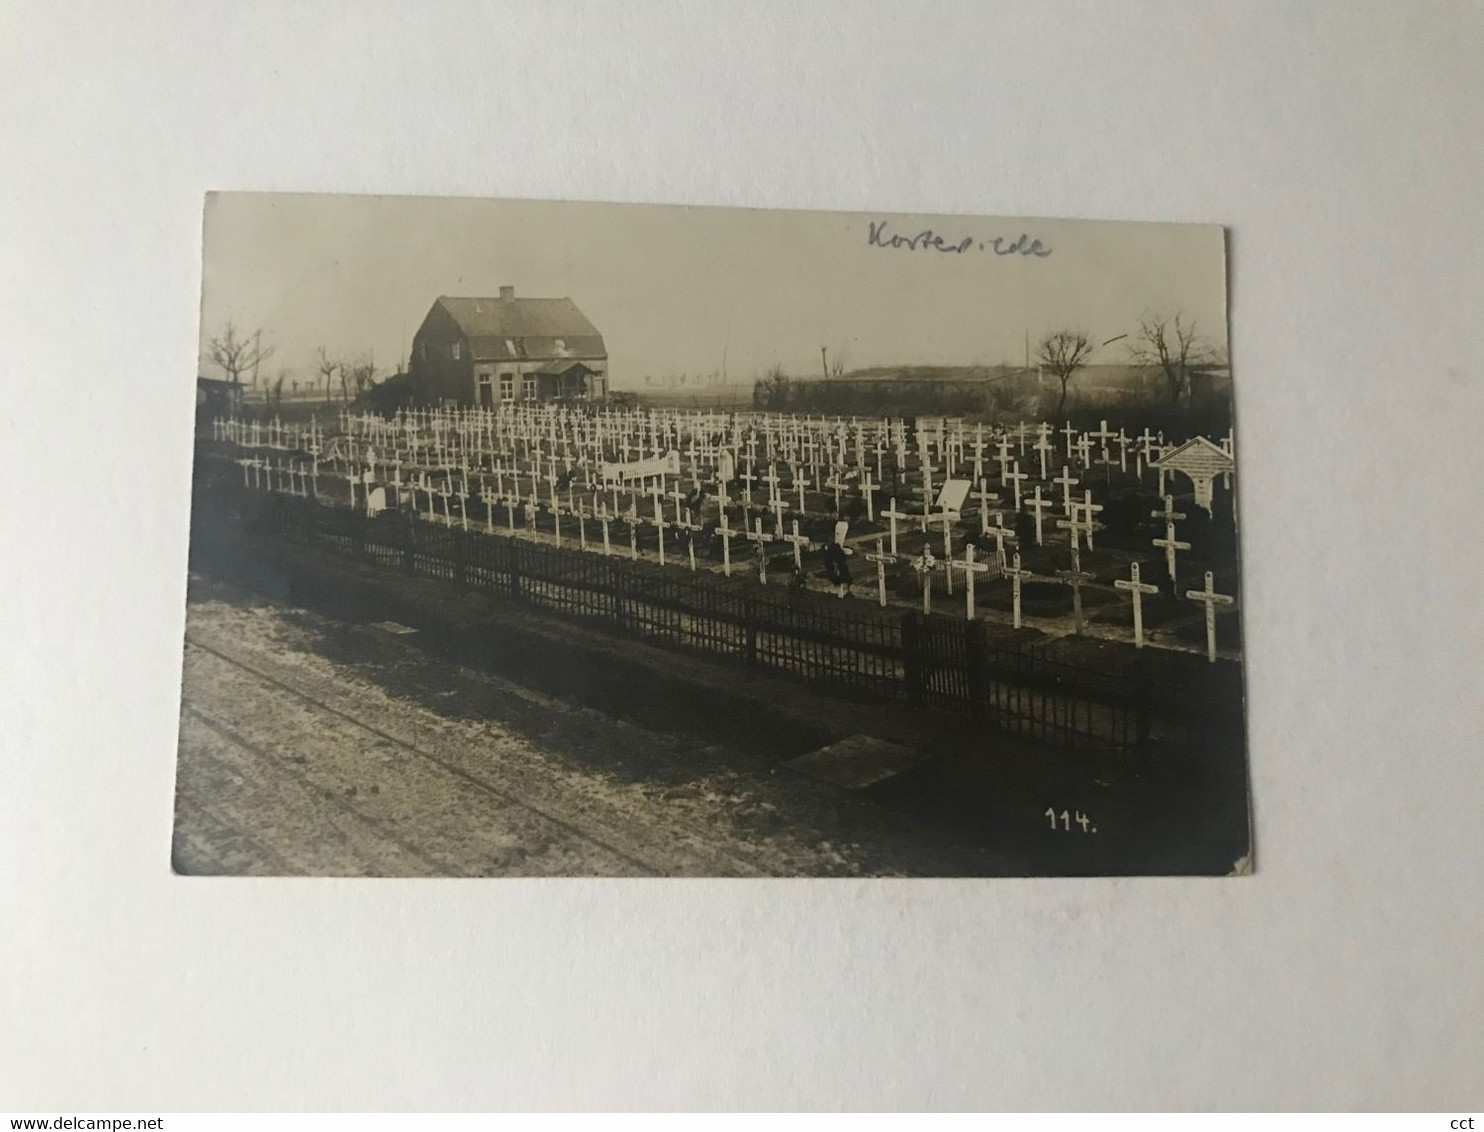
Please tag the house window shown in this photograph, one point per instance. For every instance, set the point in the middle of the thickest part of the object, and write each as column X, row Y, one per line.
column 454, row 350
column 507, row 387
column 530, row 386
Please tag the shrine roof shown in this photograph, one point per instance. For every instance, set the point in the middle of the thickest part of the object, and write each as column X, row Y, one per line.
column 1198, row 453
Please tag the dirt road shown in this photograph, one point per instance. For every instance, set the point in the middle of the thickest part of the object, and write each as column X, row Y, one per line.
column 312, row 747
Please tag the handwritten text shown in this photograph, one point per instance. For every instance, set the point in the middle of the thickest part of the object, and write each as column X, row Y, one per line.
column 877, row 236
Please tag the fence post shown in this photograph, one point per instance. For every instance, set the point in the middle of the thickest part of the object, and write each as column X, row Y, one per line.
column 512, row 559
column 358, row 536
column 912, row 630
column 749, row 622
column 460, row 557
column 409, row 543
column 974, row 669
column 617, row 576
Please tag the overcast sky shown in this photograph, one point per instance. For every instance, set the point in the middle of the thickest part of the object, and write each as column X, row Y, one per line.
column 672, row 288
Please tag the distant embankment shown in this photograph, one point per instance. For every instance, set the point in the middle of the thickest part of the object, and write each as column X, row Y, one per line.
column 1009, row 392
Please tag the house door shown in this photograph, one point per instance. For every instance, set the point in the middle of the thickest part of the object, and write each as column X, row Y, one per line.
column 486, row 391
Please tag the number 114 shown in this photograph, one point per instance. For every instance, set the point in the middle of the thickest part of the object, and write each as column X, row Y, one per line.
column 1068, row 819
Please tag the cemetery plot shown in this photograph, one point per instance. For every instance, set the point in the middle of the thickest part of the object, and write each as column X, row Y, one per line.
column 797, row 543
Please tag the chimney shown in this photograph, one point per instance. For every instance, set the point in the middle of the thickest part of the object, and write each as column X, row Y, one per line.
column 507, row 294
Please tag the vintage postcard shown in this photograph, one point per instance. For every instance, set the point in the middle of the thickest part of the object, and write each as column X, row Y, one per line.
column 560, row 539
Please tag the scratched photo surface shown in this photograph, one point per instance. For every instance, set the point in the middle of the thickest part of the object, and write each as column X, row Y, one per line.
column 564, row 539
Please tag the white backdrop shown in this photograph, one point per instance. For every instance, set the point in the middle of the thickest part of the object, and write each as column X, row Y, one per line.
column 1341, row 144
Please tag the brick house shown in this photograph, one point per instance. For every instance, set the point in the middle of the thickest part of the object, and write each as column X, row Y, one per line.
column 481, row 351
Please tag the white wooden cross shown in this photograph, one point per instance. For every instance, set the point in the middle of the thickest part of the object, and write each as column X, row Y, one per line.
column 1089, row 515
column 1043, row 446
column 978, row 448
column 1211, row 599
column 631, row 520
column 891, row 515
column 603, row 521
column 690, row 530
column 1073, row 524
column 999, row 532
column 970, row 568
column 1015, row 477
column 1074, row 578
column 658, row 523
column 1016, row 576
column 926, row 490
column 580, row 515
column 947, row 518
column 1084, row 451
column 1169, row 514
column 772, row 480
column 726, row 534
column 1067, row 481
column 762, row 539
column 800, row 544
column 1145, row 441
column 1103, row 436
column 985, row 497
column 1037, row 504
column 1069, row 432
column 925, row 566
column 778, row 506
column 881, row 560
column 1138, row 589
column 1171, row 545
column 867, row 490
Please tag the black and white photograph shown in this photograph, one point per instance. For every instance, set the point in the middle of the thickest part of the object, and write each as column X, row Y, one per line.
column 569, row 539
column 700, row 557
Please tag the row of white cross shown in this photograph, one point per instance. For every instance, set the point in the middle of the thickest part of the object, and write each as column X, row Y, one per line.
column 292, row 477
column 714, row 442
column 544, row 434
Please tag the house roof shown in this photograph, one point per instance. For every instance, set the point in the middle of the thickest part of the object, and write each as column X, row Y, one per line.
column 562, row 366
column 510, row 329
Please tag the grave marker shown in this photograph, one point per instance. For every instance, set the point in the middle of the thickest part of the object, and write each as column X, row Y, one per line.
column 970, row 568
column 762, row 540
column 1016, row 576
column 891, row 515
column 1211, row 599
column 1074, row 578
column 881, row 560
column 1138, row 589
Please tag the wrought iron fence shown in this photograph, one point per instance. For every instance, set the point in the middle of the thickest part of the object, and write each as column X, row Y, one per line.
column 932, row 661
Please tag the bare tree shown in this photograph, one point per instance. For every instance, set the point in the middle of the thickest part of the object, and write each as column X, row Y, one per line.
column 1171, row 346
column 328, row 368
column 277, row 391
column 235, row 354
column 1064, row 352
column 837, row 367
column 363, row 373
column 771, row 390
